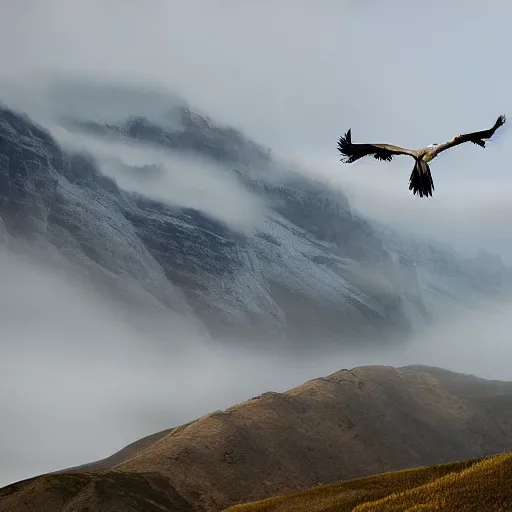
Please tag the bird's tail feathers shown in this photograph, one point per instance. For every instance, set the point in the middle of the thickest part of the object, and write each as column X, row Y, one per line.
column 421, row 181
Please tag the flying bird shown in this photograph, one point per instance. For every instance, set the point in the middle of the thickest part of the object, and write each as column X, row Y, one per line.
column 420, row 181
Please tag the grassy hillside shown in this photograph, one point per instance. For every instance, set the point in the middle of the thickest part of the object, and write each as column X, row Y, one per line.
column 482, row 487
column 470, row 486
column 109, row 491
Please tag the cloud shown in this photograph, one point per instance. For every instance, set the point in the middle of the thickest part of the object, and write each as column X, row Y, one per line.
column 67, row 351
column 183, row 180
column 57, row 97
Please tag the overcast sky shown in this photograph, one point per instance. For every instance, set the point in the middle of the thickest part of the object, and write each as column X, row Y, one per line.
column 293, row 75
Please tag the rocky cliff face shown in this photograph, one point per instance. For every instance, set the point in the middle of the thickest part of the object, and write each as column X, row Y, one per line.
column 311, row 269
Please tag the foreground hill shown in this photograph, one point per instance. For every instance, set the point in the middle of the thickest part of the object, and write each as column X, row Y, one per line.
column 471, row 486
column 351, row 424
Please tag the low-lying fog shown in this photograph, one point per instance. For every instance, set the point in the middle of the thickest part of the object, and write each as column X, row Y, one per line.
column 78, row 382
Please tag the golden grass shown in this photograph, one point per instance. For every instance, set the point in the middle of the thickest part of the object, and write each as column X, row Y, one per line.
column 476, row 485
column 346, row 496
column 485, row 486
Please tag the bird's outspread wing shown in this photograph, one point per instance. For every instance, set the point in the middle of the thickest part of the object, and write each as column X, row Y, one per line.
column 478, row 138
column 352, row 152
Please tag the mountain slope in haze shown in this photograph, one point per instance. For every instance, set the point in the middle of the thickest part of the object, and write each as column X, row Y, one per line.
column 309, row 268
column 350, row 424
column 473, row 486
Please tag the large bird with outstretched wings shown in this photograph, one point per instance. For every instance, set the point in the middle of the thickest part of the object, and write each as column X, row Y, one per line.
column 420, row 181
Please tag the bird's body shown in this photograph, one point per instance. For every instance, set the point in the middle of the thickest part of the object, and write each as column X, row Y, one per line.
column 420, row 181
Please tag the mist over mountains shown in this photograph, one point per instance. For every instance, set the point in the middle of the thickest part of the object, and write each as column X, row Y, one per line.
column 161, row 206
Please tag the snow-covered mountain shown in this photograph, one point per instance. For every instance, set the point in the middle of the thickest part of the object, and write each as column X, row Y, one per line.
column 309, row 268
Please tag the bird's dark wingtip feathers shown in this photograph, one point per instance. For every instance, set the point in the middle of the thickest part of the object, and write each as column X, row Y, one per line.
column 344, row 143
column 500, row 121
column 353, row 152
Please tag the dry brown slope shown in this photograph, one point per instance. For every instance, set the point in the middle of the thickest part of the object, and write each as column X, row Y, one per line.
column 347, row 425
column 482, row 487
column 109, row 491
column 472, row 486
column 344, row 496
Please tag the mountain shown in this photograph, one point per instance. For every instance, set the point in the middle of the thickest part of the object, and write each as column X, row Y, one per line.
column 351, row 424
column 309, row 268
column 472, row 486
